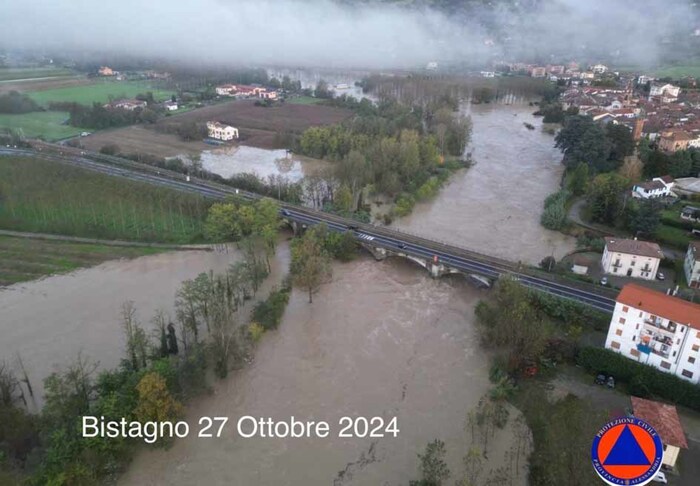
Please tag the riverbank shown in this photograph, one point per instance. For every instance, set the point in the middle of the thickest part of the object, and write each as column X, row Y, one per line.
column 400, row 344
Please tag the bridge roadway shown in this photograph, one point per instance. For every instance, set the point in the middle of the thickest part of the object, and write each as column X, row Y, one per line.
column 381, row 237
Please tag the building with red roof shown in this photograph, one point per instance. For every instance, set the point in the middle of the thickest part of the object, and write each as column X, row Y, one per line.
column 664, row 418
column 657, row 329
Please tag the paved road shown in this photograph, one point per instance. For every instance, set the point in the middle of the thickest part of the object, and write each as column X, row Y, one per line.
column 459, row 258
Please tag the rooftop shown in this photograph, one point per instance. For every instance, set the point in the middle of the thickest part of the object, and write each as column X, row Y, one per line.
column 660, row 304
column 634, row 247
column 664, row 418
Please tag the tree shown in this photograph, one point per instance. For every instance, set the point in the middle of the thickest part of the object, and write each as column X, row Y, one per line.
column 605, row 197
column 578, row 180
column 644, row 216
column 548, row 263
column 110, row 149
column 473, row 467
column 310, row 261
column 222, row 223
column 322, row 90
column 342, row 199
column 155, row 403
column 434, row 470
column 136, row 339
column 621, row 141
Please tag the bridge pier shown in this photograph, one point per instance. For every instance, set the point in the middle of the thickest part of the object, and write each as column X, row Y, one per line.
column 379, row 254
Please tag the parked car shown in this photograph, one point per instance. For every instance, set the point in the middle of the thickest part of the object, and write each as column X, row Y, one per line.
column 604, row 281
column 605, row 380
column 660, row 276
column 660, row 477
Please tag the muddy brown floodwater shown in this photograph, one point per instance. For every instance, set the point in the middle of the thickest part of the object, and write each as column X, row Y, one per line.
column 382, row 339
column 48, row 322
column 494, row 207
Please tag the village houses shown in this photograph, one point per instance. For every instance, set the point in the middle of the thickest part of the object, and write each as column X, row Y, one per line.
column 656, row 329
column 130, row 104
column 631, row 258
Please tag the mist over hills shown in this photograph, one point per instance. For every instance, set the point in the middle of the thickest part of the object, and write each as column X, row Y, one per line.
column 357, row 33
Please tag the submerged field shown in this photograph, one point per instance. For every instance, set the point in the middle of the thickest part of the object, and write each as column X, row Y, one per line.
column 47, row 197
column 23, row 259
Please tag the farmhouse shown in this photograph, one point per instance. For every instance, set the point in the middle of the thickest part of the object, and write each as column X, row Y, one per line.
column 657, row 187
column 130, row 105
column 658, row 330
column 664, row 418
column 220, row 131
column 105, row 71
column 170, row 105
column 631, row 258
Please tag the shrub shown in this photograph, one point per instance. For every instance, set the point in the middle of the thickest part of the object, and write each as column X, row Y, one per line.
column 554, row 215
column 269, row 312
column 641, row 379
column 570, row 312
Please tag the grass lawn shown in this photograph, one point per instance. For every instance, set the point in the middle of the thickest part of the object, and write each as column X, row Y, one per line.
column 13, row 74
column 99, row 91
column 303, row 100
column 23, row 259
column 677, row 72
column 45, row 124
column 48, row 197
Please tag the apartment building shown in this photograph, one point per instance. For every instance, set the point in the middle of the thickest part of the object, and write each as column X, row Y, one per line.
column 220, row 131
column 657, row 329
column 691, row 265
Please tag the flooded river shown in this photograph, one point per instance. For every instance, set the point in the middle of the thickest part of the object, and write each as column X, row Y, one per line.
column 48, row 322
column 383, row 339
column 495, row 206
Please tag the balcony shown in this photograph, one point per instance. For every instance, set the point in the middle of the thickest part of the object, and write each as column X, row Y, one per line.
column 658, row 324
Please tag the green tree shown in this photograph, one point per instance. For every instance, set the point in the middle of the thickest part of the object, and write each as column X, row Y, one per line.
column 310, row 261
column 155, row 403
column 578, row 180
column 605, row 197
column 342, row 199
column 644, row 216
column 434, row 470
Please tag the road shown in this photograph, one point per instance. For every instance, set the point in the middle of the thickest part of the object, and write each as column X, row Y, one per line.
column 452, row 256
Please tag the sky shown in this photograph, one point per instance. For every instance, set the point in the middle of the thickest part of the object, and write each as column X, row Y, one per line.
column 325, row 34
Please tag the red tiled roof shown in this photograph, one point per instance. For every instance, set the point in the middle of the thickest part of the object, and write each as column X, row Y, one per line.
column 635, row 247
column 660, row 304
column 664, row 418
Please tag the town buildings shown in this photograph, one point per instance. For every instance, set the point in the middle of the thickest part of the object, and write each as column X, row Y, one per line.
column 665, row 420
column 221, row 131
column 130, row 104
column 691, row 265
column 242, row 90
column 631, row 258
column 674, row 140
column 106, row 71
column 655, row 188
column 657, row 329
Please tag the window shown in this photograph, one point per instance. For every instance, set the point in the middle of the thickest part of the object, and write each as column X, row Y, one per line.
column 696, row 347
column 687, row 374
column 666, row 365
column 614, row 269
column 632, row 264
column 697, row 335
column 619, row 332
column 634, row 353
column 637, row 326
column 622, row 320
column 691, row 360
column 615, row 345
column 625, row 309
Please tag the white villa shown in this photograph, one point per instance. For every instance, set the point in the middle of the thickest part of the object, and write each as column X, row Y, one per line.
column 220, row 131
column 657, row 329
column 631, row 258
column 657, row 187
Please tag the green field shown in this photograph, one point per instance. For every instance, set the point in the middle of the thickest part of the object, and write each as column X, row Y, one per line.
column 677, row 72
column 100, row 92
column 672, row 236
column 304, row 100
column 13, row 74
column 48, row 197
column 23, row 259
column 46, row 124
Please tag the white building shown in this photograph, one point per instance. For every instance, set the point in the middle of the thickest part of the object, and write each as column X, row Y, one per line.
column 220, row 131
column 130, row 105
column 599, row 69
column 657, row 329
column 631, row 258
column 226, row 90
column 692, row 265
column 170, row 105
column 657, row 187
column 668, row 92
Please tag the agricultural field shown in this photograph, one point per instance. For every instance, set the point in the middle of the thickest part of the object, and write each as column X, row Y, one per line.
column 23, row 259
column 15, row 74
column 304, row 100
column 138, row 139
column 97, row 92
column 680, row 71
column 46, row 124
column 47, row 197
